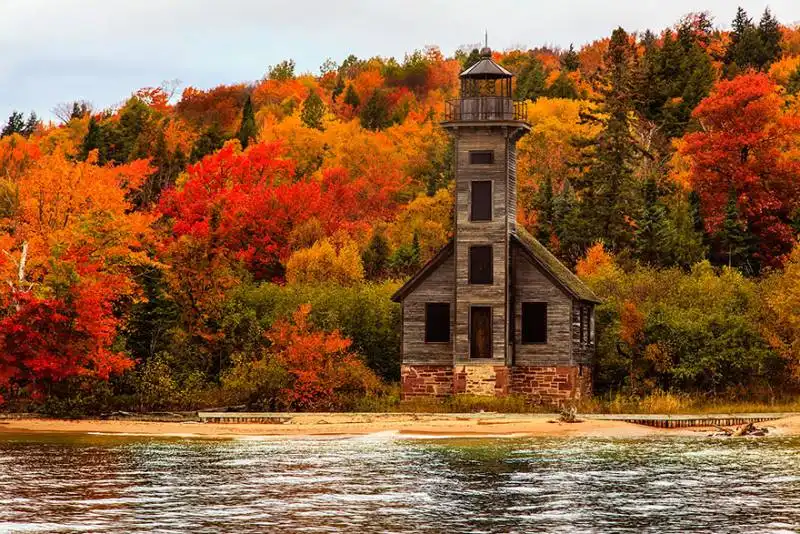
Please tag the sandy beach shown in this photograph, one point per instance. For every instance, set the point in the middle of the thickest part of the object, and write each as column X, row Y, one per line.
column 408, row 425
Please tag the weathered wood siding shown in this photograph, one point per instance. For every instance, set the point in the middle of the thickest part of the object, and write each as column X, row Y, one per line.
column 583, row 350
column 438, row 287
column 532, row 285
column 470, row 233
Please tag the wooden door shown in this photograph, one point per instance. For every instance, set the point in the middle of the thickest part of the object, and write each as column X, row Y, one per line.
column 480, row 332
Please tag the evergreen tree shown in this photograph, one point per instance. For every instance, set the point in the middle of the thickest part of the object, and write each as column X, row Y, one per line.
column 406, row 260
column 746, row 48
column 338, row 89
column 473, row 57
column 563, row 87
column 209, row 142
column 15, row 124
column 531, row 80
column 376, row 256
column 654, row 233
column 569, row 226
column 93, row 140
column 609, row 195
column 31, row 125
column 79, row 110
column 570, row 59
column 351, row 97
column 376, row 114
column 733, row 242
column 793, row 85
column 313, row 111
column 247, row 128
column 769, row 32
column 282, row 71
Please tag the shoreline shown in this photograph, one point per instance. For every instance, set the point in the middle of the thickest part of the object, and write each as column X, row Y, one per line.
column 400, row 425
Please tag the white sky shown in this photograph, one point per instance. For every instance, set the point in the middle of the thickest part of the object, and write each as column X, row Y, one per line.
column 55, row 51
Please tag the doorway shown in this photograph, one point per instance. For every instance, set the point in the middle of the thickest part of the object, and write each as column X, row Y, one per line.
column 480, row 332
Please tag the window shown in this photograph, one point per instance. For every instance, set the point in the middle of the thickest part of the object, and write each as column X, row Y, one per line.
column 481, row 200
column 437, row 322
column 480, row 265
column 584, row 324
column 480, row 332
column 481, row 157
column 534, row 322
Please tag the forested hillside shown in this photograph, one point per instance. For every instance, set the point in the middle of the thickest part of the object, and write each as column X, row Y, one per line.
column 239, row 244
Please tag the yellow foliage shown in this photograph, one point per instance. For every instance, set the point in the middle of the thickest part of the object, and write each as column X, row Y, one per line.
column 783, row 69
column 781, row 300
column 431, row 218
column 325, row 262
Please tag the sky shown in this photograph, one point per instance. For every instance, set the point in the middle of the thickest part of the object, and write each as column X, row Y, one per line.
column 54, row 51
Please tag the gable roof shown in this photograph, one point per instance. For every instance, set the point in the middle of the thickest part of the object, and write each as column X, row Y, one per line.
column 423, row 273
column 486, row 68
column 556, row 270
column 552, row 266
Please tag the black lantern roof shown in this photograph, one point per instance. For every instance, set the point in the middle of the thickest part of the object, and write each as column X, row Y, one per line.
column 486, row 68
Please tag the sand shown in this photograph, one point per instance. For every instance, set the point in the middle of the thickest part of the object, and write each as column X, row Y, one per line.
column 402, row 425
column 342, row 425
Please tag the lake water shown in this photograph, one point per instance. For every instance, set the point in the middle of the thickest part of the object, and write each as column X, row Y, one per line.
column 383, row 484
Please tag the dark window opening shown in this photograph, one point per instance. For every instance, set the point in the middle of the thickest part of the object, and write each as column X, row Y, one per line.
column 437, row 323
column 481, row 201
column 480, row 332
column 534, row 322
column 480, row 265
column 481, row 157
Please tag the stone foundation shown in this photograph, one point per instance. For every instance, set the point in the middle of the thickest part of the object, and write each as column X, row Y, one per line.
column 554, row 386
column 486, row 380
column 426, row 380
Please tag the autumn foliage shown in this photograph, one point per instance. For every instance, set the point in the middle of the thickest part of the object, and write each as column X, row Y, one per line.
column 160, row 254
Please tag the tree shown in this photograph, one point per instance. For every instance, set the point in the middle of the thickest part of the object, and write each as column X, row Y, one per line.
column 321, row 364
column 313, row 111
column 351, row 97
column 473, row 57
column 376, row 114
column 283, row 71
column 654, row 234
column 15, row 124
column 531, row 80
column 563, row 87
column 247, row 129
column 769, row 31
column 376, row 256
column 93, row 141
column 570, row 60
column 609, row 196
column 746, row 48
column 338, row 89
column 742, row 159
column 325, row 262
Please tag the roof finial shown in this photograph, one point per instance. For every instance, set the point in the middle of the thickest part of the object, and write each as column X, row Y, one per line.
column 486, row 51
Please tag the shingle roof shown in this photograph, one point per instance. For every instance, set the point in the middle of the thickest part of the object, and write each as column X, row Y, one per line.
column 486, row 68
column 557, row 270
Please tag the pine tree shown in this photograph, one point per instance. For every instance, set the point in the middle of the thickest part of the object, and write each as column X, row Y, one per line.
column 473, row 57
column 313, row 111
column 563, row 87
column 376, row 114
column 93, row 140
column 746, row 48
column 209, row 142
column 247, row 128
column 282, row 71
column 544, row 207
column 376, row 256
column 31, row 125
column 769, row 31
column 654, row 234
column 338, row 89
column 351, row 97
column 531, row 81
column 607, row 189
column 570, row 60
column 15, row 124
column 733, row 241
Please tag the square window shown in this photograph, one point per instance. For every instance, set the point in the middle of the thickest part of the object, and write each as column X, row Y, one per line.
column 481, row 157
column 481, row 200
column 437, row 322
column 480, row 265
column 534, row 322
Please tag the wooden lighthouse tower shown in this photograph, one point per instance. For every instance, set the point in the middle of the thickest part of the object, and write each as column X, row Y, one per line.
column 494, row 312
